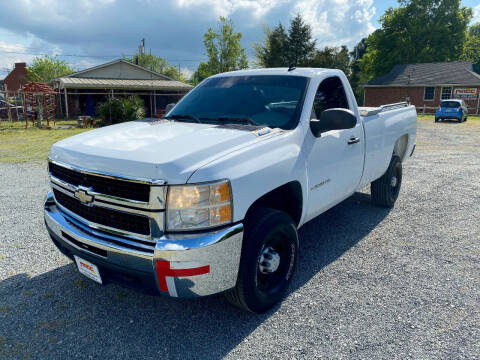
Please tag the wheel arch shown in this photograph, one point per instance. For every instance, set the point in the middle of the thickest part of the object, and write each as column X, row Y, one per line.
column 401, row 146
column 287, row 198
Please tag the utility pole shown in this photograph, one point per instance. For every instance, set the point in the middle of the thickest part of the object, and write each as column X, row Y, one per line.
column 141, row 47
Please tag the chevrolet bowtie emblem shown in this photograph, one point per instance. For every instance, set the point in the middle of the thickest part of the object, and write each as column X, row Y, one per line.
column 82, row 195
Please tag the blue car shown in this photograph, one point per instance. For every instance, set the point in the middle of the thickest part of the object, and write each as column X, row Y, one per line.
column 452, row 109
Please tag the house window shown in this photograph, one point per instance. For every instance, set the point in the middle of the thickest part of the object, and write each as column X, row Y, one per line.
column 429, row 93
column 446, row 93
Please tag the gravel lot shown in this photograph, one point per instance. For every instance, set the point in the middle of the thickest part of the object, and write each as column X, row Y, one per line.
column 371, row 283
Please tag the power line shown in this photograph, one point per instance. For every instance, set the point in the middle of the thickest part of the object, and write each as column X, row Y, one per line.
column 87, row 56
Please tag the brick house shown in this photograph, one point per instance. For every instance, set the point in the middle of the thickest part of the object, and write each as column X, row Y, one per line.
column 425, row 85
column 16, row 78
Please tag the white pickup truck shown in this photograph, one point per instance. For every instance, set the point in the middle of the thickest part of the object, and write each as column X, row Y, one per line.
column 209, row 199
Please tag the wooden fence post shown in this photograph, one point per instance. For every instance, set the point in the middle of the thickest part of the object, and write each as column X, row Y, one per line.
column 9, row 113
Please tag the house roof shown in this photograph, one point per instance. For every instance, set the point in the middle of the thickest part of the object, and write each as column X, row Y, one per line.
column 127, row 84
column 120, row 74
column 430, row 74
column 91, row 72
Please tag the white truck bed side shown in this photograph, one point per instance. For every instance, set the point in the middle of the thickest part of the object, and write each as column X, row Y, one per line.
column 384, row 127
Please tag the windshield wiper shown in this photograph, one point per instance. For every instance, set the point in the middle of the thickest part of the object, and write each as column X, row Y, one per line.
column 244, row 119
column 182, row 117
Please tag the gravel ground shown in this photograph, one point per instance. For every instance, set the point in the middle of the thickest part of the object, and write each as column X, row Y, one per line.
column 371, row 283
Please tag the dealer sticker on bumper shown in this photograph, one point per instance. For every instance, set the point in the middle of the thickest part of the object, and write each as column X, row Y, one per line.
column 88, row 269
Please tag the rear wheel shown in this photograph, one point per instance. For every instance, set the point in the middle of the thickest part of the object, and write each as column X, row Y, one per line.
column 385, row 190
column 269, row 254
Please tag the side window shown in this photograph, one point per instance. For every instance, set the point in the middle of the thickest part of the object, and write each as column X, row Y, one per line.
column 330, row 94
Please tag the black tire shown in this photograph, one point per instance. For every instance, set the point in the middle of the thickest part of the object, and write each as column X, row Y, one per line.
column 256, row 290
column 383, row 190
column 466, row 117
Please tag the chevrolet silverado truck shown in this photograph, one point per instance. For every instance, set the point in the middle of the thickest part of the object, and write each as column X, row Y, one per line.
column 209, row 198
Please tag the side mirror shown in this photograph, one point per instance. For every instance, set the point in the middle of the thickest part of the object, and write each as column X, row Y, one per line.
column 333, row 119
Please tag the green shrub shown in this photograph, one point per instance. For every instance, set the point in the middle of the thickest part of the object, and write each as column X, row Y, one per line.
column 117, row 110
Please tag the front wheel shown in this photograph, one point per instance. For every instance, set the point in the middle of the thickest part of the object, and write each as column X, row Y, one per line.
column 269, row 255
column 385, row 190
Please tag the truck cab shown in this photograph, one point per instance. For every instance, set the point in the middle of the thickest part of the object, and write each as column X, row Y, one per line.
column 209, row 199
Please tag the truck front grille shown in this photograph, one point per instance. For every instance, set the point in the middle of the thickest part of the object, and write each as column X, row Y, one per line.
column 134, row 223
column 100, row 184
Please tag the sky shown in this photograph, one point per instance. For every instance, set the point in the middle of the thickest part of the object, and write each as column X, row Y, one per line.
column 85, row 33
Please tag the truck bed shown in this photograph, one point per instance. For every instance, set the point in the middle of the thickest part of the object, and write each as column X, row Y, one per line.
column 383, row 126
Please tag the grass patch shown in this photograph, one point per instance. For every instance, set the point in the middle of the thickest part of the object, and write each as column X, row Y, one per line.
column 19, row 144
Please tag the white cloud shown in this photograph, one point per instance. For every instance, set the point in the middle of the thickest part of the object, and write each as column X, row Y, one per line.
column 476, row 14
column 173, row 29
column 337, row 22
column 258, row 8
column 11, row 53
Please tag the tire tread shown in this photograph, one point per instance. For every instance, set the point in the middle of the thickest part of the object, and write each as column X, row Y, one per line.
column 378, row 188
column 256, row 218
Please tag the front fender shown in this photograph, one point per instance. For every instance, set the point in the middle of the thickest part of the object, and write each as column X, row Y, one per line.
column 258, row 169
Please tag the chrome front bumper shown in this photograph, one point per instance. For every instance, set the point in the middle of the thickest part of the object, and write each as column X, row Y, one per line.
column 182, row 265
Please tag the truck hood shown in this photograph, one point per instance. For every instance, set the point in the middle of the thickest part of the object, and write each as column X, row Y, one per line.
column 159, row 150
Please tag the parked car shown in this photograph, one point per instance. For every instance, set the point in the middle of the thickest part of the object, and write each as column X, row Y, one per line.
column 210, row 198
column 452, row 109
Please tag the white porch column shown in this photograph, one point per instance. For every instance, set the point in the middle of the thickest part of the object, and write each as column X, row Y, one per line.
column 66, row 102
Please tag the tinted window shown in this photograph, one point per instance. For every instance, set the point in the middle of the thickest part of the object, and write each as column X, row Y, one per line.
column 330, row 94
column 429, row 93
column 450, row 104
column 273, row 100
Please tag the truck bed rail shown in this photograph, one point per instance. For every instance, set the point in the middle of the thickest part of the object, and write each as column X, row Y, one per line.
column 369, row 111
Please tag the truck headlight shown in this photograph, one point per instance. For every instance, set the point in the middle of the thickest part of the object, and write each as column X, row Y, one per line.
column 198, row 206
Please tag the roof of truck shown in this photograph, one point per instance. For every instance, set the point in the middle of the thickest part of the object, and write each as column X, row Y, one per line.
column 307, row 72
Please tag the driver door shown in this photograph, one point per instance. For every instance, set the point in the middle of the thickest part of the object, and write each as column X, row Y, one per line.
column 335, row 162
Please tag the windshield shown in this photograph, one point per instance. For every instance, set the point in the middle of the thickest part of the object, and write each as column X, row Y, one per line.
column 263, row 100
column 449, row 104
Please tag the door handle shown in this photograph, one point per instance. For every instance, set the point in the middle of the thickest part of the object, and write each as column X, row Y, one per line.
column 353, row 140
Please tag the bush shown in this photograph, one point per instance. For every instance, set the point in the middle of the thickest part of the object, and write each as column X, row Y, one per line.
column 117, row 110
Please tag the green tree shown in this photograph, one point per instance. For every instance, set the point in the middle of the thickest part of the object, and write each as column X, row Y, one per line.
column 45, row 69
column 223, row 49
column 357, row 76
column 300, row 46
column 280, row 48
column 471, row 49
column 332, row 58
column 157, row 64
column 474, row 30
column 417, row 31
column 272, row 51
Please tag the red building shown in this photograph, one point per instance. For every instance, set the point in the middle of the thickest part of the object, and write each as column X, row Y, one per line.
column 15, row 80
column 425, row 85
